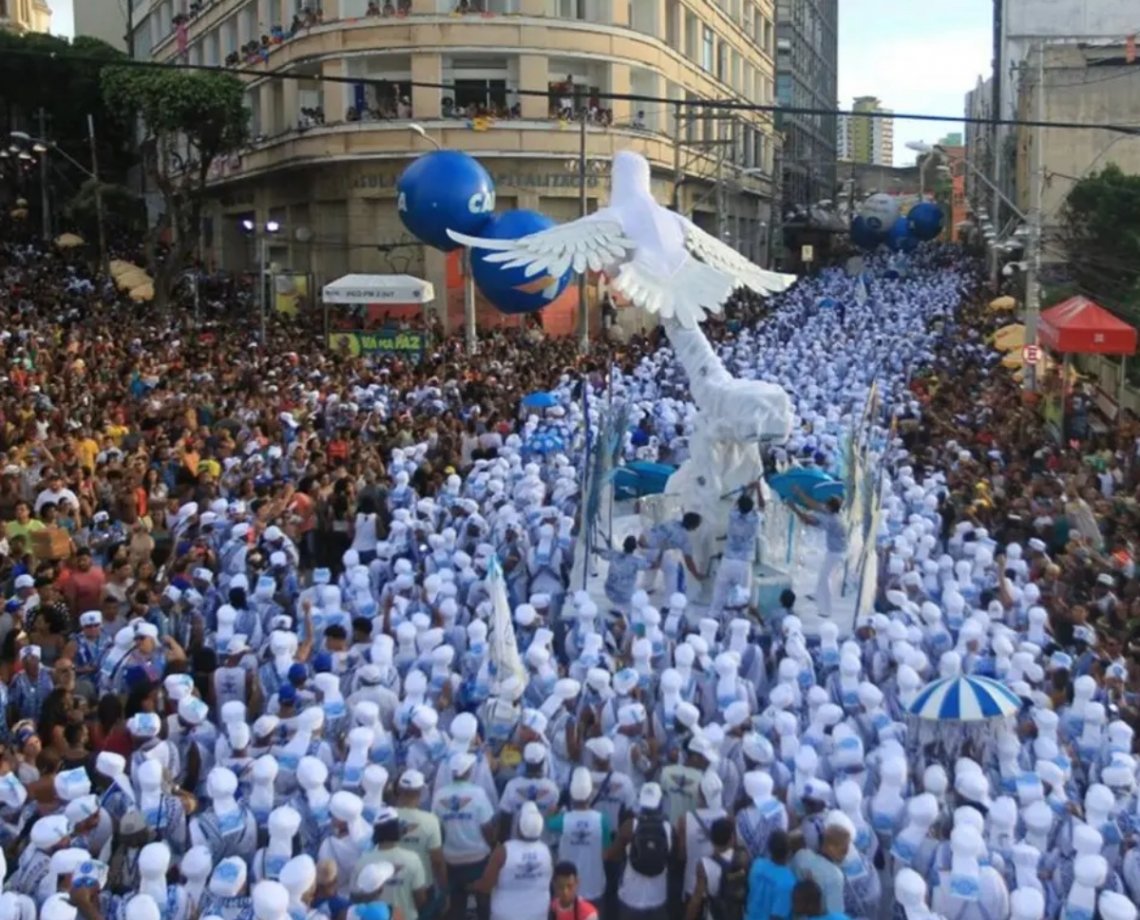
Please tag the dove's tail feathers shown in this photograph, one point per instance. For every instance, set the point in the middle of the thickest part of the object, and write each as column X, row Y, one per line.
column 687, row 296
column 476, row 242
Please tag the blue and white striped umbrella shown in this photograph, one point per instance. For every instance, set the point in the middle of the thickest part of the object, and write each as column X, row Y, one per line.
column 965, row 699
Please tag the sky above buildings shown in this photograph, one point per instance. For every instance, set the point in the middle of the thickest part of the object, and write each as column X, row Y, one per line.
column 920, row 58
column 916, row 57
column 62, row 17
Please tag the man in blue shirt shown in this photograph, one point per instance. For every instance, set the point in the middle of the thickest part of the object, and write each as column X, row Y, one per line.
column 667, row 540
column 822, row 869
column 735, row 569
column 826, row 516
column 770, row 883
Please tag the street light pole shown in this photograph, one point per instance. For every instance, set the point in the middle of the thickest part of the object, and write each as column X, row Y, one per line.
column 44, row 207
column 263, row 262
column 1032, row 275
column 98, row 197
column 583, row 208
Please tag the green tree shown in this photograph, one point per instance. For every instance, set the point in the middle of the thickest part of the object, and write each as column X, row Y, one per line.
column 123, row 211
column 189, row 119
column 46, row 72
column 1101, row 230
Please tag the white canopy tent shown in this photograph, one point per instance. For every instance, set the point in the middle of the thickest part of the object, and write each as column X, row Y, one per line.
column 378, row 289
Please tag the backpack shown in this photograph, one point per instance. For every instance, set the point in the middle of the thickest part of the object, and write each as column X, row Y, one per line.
column 728, row 903
column 649, row 849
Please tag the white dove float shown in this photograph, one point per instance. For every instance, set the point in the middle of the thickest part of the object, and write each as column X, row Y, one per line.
column 664, row 263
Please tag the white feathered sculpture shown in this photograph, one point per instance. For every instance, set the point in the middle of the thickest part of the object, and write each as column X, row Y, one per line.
column 655, row 258
column 663, row 262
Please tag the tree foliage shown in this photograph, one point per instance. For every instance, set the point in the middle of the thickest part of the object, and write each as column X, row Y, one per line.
column 123, row 210
column 1102, row 237
column 189, row 119
column 46, row 72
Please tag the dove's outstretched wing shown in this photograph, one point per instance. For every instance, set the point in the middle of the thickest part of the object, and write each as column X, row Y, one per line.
column 712, row 251
column 589, row 243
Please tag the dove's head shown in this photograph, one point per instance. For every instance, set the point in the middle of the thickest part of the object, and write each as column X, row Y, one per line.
column 630, row 173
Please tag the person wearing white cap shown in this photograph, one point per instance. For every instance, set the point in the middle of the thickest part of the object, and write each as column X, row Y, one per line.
column 680, row 782
column 910, row 897
column 409, row 888
column 420, row 830
column 534, row 785
column 862, row 890
column 645, row 842
column 60, row 907
column 633, row 754
column 544, row 565
column 368, row 894
column 826, row 516
column 153, row 865
column 969, row 889
column 739, row 557
column 615, row 795
column 464, row 731
column 466, row 816
column 583, row 834
column 227, row 827
column 86, row 649
column 563, row 730
column 346, row 837
column 1114, row 906
column 284, row 825
column 195, row 867
column 694, row 842
column 146, row 654
column 225, row 893
column 165, row 814
column 270, row 901
column 47, row 835
column 298, row 876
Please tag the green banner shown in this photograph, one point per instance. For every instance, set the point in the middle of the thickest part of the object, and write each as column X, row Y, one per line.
column 405, row 344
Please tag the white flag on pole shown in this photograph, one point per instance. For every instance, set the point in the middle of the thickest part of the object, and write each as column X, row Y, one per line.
column 504, row 649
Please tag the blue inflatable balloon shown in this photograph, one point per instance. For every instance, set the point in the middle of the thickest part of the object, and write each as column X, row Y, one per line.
column 863, row 236
column 925, row 220
column 509, row 289
column 441, row 191
column 899, row 238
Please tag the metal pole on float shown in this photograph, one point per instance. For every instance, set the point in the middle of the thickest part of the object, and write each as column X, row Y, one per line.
column 583, row 209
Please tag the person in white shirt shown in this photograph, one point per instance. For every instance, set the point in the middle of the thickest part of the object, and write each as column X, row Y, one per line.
column 647, row 841
column 467, row 817
column 55, row 492
column 519, row 872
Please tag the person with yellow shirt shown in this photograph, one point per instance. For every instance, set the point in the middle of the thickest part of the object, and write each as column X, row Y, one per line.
column 116, row 432
column 86, row 449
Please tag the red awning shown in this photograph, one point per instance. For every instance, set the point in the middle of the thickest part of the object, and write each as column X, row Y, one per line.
column 1078, row 326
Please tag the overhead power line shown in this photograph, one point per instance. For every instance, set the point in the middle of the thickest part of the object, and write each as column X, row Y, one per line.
column 730, row 105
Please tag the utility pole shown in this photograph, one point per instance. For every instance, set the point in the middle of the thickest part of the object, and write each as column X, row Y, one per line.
column 776, row 207
column 470, row 334
column 677, row 178
column 262, row 268
column 44, row 204
column 738, row 163
column 721, row 191
column 583, row 208
column 98, row 198
column 1032, row 275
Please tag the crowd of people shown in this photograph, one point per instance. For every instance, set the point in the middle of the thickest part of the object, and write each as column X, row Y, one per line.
column 253, row 659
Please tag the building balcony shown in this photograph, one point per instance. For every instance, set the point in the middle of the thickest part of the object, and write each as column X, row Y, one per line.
column 489, row 139
column 536, row 27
